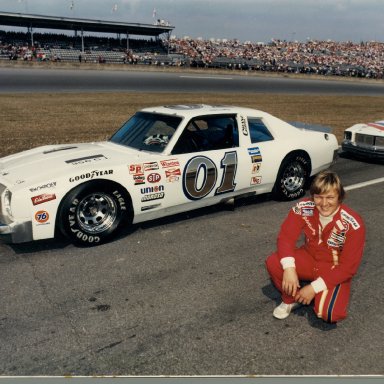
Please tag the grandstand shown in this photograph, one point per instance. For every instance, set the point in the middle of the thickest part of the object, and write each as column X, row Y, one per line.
column 51, row 46
column 325, row 58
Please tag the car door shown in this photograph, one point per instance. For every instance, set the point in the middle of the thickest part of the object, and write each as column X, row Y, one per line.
column 207, row 163
column 262, row 151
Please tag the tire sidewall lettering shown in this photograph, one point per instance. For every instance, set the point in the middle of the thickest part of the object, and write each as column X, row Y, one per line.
column 73, row 228
column 303, row 162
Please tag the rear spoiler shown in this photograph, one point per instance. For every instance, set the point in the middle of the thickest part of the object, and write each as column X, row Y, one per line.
column 311, row 127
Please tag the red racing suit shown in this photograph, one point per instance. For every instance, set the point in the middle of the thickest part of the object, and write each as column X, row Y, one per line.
column 332, row 253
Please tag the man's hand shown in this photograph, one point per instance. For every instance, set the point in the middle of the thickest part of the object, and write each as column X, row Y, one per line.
column 290, row 281
column 305, row 295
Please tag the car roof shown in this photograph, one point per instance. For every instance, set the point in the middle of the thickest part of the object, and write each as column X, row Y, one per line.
column 190, row 110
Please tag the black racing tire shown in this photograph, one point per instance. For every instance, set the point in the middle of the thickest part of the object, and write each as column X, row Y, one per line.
column 91, row 213
column 293, row 177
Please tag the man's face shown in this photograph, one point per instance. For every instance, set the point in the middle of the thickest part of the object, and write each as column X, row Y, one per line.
column 327, row 203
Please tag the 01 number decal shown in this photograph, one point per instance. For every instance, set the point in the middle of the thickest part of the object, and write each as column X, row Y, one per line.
column 200, row 176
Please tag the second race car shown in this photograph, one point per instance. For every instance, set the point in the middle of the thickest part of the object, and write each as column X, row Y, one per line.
column 365, row 140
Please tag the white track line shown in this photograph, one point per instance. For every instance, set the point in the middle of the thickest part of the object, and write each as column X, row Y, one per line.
column 364, row 184
column 206, row 77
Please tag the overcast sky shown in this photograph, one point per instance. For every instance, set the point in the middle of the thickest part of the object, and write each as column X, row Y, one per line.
column 255, row 20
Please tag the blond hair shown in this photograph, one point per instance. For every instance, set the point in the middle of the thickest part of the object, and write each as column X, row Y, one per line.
column 325, row 181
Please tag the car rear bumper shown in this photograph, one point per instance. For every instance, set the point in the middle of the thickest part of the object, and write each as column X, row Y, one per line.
column 368, row 152
column 16, row 232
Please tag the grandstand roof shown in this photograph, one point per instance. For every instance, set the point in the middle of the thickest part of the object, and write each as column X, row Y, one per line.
column 67, row 23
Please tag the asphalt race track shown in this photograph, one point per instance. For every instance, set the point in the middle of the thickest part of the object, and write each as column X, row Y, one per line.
column 69, row 80
column 186, row 295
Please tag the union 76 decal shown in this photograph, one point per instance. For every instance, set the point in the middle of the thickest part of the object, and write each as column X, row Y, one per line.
column 200, row 176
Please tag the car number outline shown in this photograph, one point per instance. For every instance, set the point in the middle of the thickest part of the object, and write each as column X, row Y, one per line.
column 197, row 164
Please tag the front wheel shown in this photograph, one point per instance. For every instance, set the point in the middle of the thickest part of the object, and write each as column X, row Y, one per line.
column 91, row 213
column 292, row 178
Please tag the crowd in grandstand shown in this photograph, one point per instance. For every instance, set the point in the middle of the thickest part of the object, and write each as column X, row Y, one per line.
column 365, row 59
column 321, row 57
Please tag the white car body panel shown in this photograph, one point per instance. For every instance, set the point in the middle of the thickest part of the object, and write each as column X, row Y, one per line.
column 40, row 178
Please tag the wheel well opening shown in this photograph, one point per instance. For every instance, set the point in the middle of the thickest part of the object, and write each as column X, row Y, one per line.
column 303, row 154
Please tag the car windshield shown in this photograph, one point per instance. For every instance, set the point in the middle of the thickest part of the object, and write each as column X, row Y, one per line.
column 147, row 131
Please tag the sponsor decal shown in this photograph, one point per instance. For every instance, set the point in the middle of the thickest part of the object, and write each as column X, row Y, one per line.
column 153, row 178
column 256, row 159
column 170, row 163
column 337, row 236
column 91, row 175
column 304, row 204
column 153, row 196
column 148, row 207
column 256, row 167
column 172, row 174
column 172, row 179
column 135, row 169
column 42, row 217
column 244, row 126
column 155, row 189
column 87, row 159
column 254, row 151
column 350, row 219
column 139, row 179
column 307, row 212
column 51, row 184
column 336, row 239
column 152, row 166
column 40, row 199
column 255, row 180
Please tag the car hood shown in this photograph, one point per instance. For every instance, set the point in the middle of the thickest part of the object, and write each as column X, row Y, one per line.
column 53, row 161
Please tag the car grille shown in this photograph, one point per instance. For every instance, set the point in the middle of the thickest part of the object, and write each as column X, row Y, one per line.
column 379, row 141
column 369, row 140
column 365, row 139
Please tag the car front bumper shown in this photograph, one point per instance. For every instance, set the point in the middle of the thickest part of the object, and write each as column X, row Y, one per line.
column 16, row 232
column 371, row 152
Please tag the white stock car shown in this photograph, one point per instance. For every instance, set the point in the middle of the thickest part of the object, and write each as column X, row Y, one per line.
column 365, row 140
column 162, row 161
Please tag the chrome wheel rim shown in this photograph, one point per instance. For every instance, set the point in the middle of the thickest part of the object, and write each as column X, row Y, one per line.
column 293, row 177
column 96, row 213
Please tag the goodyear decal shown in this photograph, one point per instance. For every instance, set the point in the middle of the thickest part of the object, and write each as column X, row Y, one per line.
column 349, row 219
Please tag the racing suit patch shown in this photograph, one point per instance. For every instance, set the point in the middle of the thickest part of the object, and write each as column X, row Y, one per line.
column 349, row 219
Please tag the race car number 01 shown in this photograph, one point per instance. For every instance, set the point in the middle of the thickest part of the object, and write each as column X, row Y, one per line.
column 200, row 176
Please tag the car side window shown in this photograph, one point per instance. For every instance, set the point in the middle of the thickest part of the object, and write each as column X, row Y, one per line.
column 208, row 133
column 258, row 131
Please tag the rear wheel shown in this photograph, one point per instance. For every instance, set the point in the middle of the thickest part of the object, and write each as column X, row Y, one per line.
column 293, row 177
column 91, row 213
